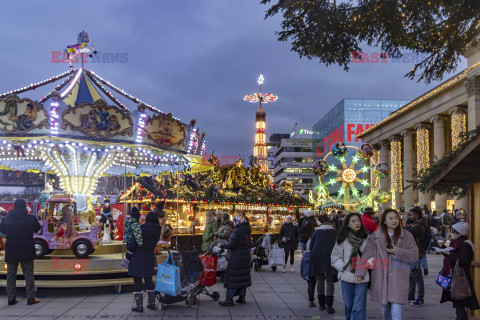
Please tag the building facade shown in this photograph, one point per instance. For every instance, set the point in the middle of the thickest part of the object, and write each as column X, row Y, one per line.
column 292, row 159
column 422, row 131
column 349, row 118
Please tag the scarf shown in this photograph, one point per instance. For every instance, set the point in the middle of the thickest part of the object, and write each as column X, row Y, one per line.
column 356, row 242
column 447, row 265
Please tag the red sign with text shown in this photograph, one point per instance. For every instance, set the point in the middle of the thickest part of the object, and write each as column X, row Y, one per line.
column 353, row 130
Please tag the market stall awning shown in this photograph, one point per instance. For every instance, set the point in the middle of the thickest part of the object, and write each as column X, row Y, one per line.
column 463, row 169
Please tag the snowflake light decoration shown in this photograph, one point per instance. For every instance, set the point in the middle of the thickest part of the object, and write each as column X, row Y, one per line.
column 263, row 98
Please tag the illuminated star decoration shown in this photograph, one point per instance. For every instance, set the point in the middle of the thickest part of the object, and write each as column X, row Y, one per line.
column 263, row 98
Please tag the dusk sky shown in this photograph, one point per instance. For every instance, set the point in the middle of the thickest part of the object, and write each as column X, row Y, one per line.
column 195, row 59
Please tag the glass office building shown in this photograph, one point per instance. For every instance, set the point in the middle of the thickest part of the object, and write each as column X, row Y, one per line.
column 349, row 118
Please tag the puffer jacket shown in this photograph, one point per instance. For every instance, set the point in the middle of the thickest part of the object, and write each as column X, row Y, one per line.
column 340, row 255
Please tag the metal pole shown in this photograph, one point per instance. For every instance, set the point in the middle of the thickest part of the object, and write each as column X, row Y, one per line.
column 178, row 215
column 124, row 200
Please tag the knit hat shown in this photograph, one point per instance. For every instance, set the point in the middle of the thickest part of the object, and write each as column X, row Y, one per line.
column 20, row 204
column 308, row 213
column 458, row 213
column 239, row 219
column 369, row 211
column 461, row 228
column 152, row 217
column 134, row 213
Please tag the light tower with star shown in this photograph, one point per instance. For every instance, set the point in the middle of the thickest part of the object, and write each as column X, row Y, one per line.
column 260, row 148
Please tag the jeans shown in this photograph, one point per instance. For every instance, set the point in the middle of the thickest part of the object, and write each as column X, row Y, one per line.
column 292, row 256
column 27, row 269
column 392, row 311
column 424, row 262
column 416, row 281
column 355, row 300
column 231, row 293
column 138, row 286
column 303, row 246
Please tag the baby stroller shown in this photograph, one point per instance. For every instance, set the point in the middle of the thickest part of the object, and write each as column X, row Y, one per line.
column 261, row 251
column 191, row 269
column 222, row 261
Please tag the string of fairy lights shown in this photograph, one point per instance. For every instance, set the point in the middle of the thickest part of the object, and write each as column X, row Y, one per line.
column 423, row 148
column 459, row 126
column 396, row 178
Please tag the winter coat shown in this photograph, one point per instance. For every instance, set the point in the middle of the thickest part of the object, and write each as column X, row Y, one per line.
column 390, row 273
column 418, row 229
column 237, row 275
column 321, row 246
column 340, row 258
column 306, row 226
column 290, row 231
column 225, row 230
column 208, row 234
column 143, row 261
column 42, row 200
column 369, row 223
column 133, row 229
column 18, row 227
column 463, row 253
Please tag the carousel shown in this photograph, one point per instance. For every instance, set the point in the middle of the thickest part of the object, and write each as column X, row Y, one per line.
column 84, row 128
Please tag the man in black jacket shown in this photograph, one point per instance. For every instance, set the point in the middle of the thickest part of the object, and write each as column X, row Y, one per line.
column 19, row 228
column 306, row 226
column 417, row 226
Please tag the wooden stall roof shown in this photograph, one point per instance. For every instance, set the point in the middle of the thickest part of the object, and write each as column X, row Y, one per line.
column 463, row 169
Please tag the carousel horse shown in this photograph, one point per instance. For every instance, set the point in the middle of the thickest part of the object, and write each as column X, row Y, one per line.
column 81, row 47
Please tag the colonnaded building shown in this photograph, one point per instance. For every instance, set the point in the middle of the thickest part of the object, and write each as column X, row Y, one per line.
column 423, row 130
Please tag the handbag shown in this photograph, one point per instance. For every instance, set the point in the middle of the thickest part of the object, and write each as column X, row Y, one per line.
column 276, row 256
column 209, row 274
column 460, row 288
column 168, row 277
column 443, row 281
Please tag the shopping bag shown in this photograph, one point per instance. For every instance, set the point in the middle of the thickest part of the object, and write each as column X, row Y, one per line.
column 168, row 277
column 276, row 256
column 209, row 275
column 460, row 289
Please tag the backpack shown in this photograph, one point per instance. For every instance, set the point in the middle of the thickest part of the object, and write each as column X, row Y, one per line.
column 305, row 265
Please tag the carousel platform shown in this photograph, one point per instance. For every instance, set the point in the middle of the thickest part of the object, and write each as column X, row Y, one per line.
column 61, row 269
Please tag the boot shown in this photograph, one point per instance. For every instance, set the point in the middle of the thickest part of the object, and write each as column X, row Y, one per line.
column 311, row 304
column 226, row 303
column 329, row 303
column 137, row 302
column 151, row 299
column 241, row 300
column 321, row 302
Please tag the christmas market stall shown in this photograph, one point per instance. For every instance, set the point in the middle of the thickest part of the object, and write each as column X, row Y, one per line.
column 234, row 189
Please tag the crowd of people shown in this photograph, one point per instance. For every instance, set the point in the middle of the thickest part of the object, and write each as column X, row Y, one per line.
column 369, row 250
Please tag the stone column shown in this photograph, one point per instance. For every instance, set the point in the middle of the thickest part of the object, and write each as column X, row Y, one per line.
column 396, row 177
column 439, row 148
column 459, row 125
column 408, row 165
column 423, row 158
column 385, row 182
column 472, row 85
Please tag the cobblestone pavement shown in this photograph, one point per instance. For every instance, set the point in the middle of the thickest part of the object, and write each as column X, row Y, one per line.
column 273, row 295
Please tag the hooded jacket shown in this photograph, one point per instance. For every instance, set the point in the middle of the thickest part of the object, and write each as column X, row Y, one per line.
column 225, row 230
column 208, row 233
column 19, row 227
column 237, row 275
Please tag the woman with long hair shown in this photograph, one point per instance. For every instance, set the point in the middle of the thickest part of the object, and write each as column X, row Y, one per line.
column 389, row 252
column 462, row 252
column 351, row 242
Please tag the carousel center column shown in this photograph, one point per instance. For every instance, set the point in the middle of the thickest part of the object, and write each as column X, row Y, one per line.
column 423, row 158
column 384, row 182
column 438, row 151
column 408, row 162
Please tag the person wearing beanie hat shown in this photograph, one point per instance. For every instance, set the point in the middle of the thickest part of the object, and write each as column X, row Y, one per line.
column 218, row 216
column 18, row 227
column 143, row 262
column 459, row 216
column 289, row 241
column 462, row 254
column 133, row 229
column 211, row 227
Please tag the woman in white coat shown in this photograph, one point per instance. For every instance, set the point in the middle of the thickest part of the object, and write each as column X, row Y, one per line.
column 346, row 254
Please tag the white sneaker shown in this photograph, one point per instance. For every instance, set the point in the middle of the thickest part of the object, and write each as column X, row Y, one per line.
column 291, row 268
column 284, row 269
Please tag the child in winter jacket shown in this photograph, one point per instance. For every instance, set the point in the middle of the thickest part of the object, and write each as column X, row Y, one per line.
column 133, row 230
